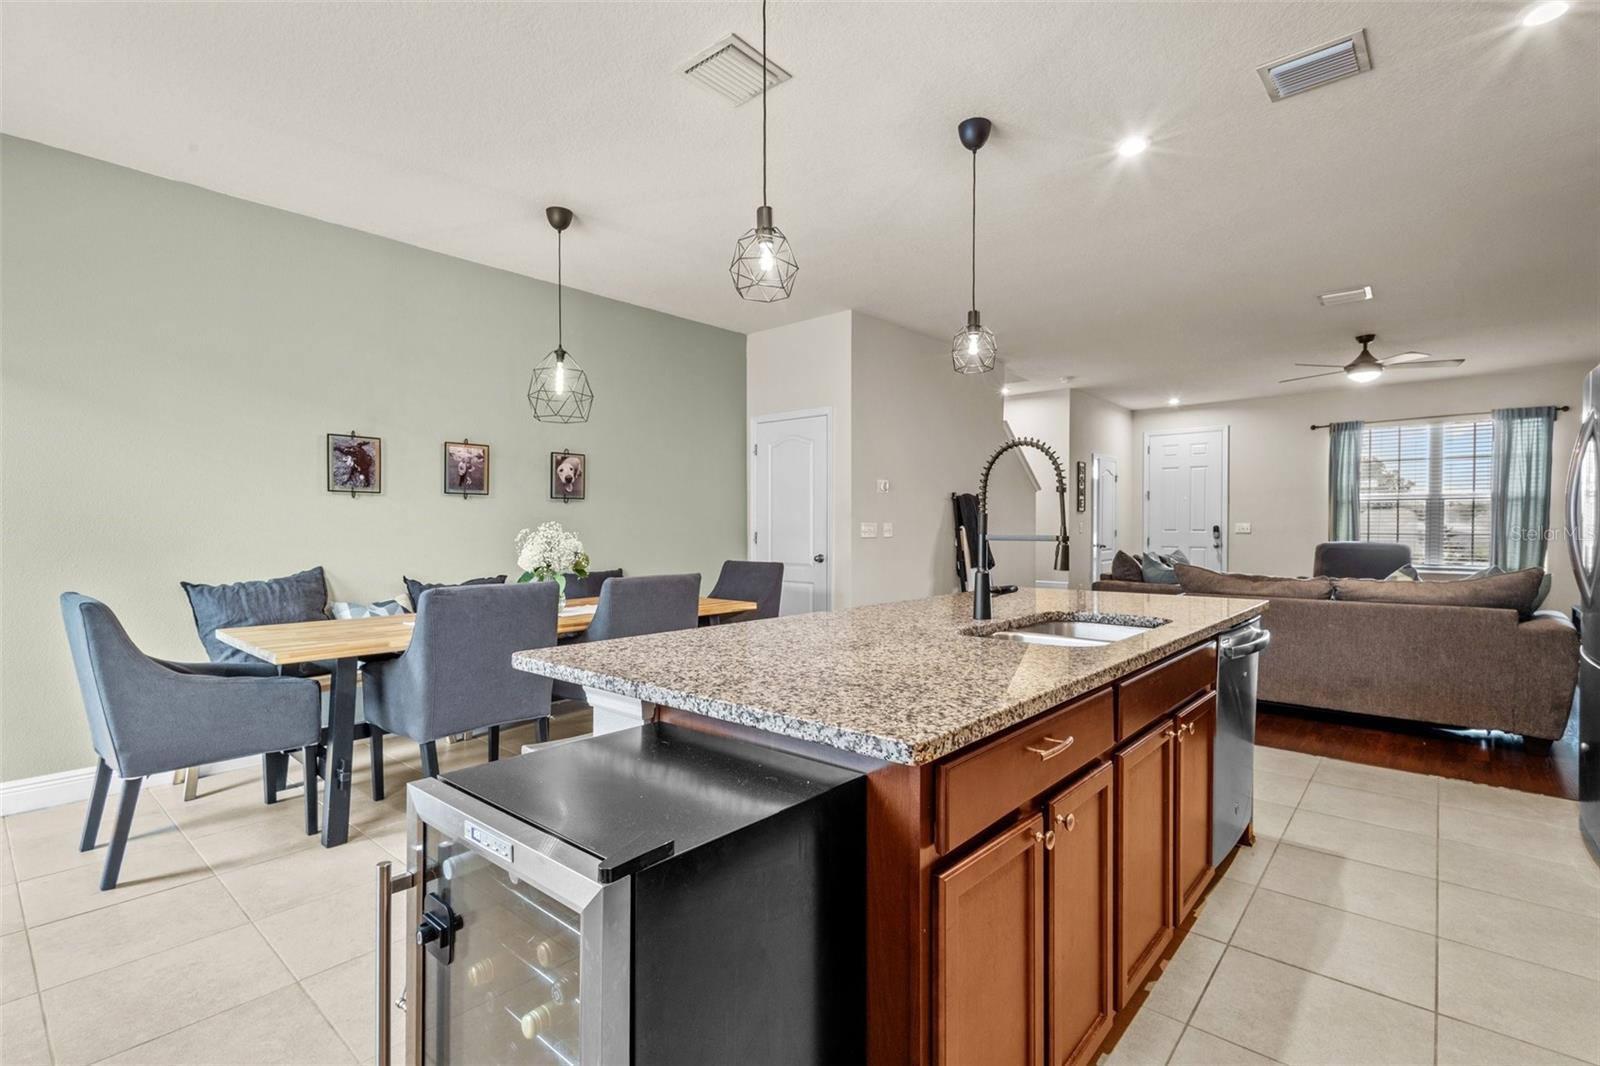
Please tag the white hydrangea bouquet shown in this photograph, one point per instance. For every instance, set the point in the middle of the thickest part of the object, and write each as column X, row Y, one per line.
column 548, row 553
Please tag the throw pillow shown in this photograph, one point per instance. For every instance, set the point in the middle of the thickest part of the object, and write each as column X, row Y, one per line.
column 1200, row 581
column 301, row 597
column 415, row 589
column 381, row 609
column 1125, row 567
column 1516, row 591
column 1156, row 570
column 1405, row 573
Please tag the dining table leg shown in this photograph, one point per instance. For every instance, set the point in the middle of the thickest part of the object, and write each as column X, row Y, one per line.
column 341, row 744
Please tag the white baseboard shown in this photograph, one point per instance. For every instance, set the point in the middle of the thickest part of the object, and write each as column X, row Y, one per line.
column 71, row 786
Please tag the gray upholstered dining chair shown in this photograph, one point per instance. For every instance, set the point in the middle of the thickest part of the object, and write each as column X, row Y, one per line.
column 743, row 579
column 589, row 584
column 635, row 606
column 456, row 676
column 148, row 716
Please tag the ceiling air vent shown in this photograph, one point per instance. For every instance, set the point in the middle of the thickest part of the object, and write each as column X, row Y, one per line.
column 1346, row 296
column 732, row 69
column 1316, row 67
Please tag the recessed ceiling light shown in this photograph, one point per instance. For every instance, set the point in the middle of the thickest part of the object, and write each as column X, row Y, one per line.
column 1346, row 296
column 1005, row 390
column 1173, row 401
column 1549, row 11
column 1132, row 145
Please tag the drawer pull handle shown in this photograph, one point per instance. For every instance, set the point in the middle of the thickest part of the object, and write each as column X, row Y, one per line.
column 1168, row 734
column 1068, row 820
column 1056, row 747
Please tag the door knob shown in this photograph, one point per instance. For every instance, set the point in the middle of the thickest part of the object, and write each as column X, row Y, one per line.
column 817, row 558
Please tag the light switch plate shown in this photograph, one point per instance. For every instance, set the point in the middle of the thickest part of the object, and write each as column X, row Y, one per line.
column 888, row 529
column 1241, row 527
column 869, row 530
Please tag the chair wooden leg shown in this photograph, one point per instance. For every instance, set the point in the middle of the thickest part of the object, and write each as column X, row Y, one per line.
column 542, row 728
column 97, row 806
column 494, row 743
column 191, row 783
column 375, row 738
column 274, row 772
column 177, row 776
column 430, row 758
column 119, row 835
column 310, row 778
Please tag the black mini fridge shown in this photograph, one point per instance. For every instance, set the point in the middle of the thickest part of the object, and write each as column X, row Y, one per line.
column 655, row 895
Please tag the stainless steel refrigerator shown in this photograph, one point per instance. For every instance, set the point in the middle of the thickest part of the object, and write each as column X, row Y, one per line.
column 1583, row 541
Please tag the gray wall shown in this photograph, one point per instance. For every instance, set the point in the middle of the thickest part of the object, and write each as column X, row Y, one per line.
column 170, row 359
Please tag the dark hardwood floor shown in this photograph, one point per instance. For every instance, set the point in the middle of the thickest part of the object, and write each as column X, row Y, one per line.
column 1487, row 757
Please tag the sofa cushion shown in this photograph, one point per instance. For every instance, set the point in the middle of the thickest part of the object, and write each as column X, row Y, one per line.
column 1517, row 591
column 1125, row 567
column 301, row 597
column 1199, row 580
column 415, row 589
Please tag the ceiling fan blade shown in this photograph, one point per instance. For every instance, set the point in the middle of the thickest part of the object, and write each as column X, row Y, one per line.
column 1308, row 377
column 1405, row 357
column 1429, row 365
column 1329, row 366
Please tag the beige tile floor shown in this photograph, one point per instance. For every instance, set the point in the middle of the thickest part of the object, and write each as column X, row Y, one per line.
column 232, row 937
column 1382, row 917
column 1386, row 917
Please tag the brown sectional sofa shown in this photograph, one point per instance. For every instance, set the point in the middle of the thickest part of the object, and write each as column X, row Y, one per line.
column 1356, row 646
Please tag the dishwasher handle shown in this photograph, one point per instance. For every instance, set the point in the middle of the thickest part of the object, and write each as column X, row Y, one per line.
column 1255, row 645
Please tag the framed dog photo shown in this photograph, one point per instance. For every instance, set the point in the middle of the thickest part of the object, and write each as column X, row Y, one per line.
column 355, row 463
column 466, row 468
column 569, row 475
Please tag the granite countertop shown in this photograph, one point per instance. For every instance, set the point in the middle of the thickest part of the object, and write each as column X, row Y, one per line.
column 903, row 682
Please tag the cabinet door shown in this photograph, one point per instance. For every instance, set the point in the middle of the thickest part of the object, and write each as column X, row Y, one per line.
column 1078, row 895
column 1144, row 853
column 989, row 955
column 1197, row 737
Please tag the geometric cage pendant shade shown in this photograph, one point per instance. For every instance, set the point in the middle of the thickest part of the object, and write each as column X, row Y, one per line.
column 972, row 351
column 763, row 266
column 559, row 390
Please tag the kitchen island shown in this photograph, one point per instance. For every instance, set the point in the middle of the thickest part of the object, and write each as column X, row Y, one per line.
column 1038, row 817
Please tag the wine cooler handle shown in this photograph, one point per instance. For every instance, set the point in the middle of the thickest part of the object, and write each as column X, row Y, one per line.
column 387, row 887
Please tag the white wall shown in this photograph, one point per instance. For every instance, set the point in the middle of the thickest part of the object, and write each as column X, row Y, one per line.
column 1278, row 466
column 1104, row 428
column 926, row 430
column 801, row 367
column 1047, row 416
column 173, row 358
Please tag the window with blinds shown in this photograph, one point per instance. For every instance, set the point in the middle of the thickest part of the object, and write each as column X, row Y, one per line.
column 1426, row 484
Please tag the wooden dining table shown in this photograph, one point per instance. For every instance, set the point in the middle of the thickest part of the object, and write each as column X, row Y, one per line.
column 340, row 645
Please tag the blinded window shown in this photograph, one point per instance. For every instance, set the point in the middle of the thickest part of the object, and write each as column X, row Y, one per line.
column 1426, row 485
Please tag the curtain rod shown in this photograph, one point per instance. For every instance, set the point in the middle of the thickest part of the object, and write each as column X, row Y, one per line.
column 1424, row 418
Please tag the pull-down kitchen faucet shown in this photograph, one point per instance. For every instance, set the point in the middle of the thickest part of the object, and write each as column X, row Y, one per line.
column 980, row 581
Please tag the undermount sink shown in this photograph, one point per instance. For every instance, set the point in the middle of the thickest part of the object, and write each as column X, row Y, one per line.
column 1071, row 634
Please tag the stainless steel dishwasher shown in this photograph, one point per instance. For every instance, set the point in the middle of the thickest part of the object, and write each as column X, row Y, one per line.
column 1233, row 769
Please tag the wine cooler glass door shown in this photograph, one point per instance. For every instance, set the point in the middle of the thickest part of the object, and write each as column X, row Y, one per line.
column 503, row 965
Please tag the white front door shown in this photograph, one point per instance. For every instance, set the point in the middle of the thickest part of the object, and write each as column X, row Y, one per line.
column 789, row 505
column 1186, row 485
column 1105, row 514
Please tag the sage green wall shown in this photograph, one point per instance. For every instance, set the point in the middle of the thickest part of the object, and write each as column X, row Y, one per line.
column 171, row 358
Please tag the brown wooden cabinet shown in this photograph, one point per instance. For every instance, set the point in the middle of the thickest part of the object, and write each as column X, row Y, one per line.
column 1144, row 857
column 1078, row 898
column 989, row 955
column 1196, row 739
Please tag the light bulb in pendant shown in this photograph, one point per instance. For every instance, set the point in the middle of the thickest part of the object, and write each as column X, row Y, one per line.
column 561, row 375
column 972, row 344
column 767, row 260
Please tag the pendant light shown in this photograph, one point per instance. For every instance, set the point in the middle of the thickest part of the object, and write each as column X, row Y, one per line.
column 763, row 267
column 559, row 389
column 973, row 349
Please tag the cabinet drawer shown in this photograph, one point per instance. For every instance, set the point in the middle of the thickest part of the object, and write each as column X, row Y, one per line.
column 1164, row 687
column 1000, row 775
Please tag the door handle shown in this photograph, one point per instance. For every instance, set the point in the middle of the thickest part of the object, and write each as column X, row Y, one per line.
column 1575, row 545
column 817, row 558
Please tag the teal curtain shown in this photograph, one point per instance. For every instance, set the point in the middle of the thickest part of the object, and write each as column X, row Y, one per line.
column 1344, row 480
column 1520, row 486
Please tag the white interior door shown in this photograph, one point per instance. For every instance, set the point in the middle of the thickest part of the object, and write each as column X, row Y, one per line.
column 1105, row 514
column 789, row 505
column 1186, row 490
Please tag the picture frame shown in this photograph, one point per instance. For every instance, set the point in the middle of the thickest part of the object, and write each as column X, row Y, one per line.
column 569, row 476
column 355, row 463
column 466, row 469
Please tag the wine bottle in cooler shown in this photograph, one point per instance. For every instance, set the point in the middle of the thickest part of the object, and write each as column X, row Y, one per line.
column 546, row 1018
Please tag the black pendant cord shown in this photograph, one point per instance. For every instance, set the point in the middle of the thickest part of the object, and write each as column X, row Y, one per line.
column 974, row 304
column 763, row 101
column 560, row 348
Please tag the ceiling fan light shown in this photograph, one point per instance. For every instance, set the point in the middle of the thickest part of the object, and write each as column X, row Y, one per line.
column 1363, row 374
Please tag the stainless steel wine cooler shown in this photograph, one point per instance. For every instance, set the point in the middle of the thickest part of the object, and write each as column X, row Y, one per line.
column 651, row 895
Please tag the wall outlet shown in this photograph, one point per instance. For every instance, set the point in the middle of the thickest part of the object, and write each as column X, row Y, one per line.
column 869, row 530
column 883, row 484
column 1241, row 527
column 888, row 529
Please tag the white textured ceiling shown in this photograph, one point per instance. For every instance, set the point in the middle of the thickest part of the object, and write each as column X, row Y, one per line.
column 1460, row 178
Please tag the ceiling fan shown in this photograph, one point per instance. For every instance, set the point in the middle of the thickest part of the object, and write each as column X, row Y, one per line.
column 1366, row 367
